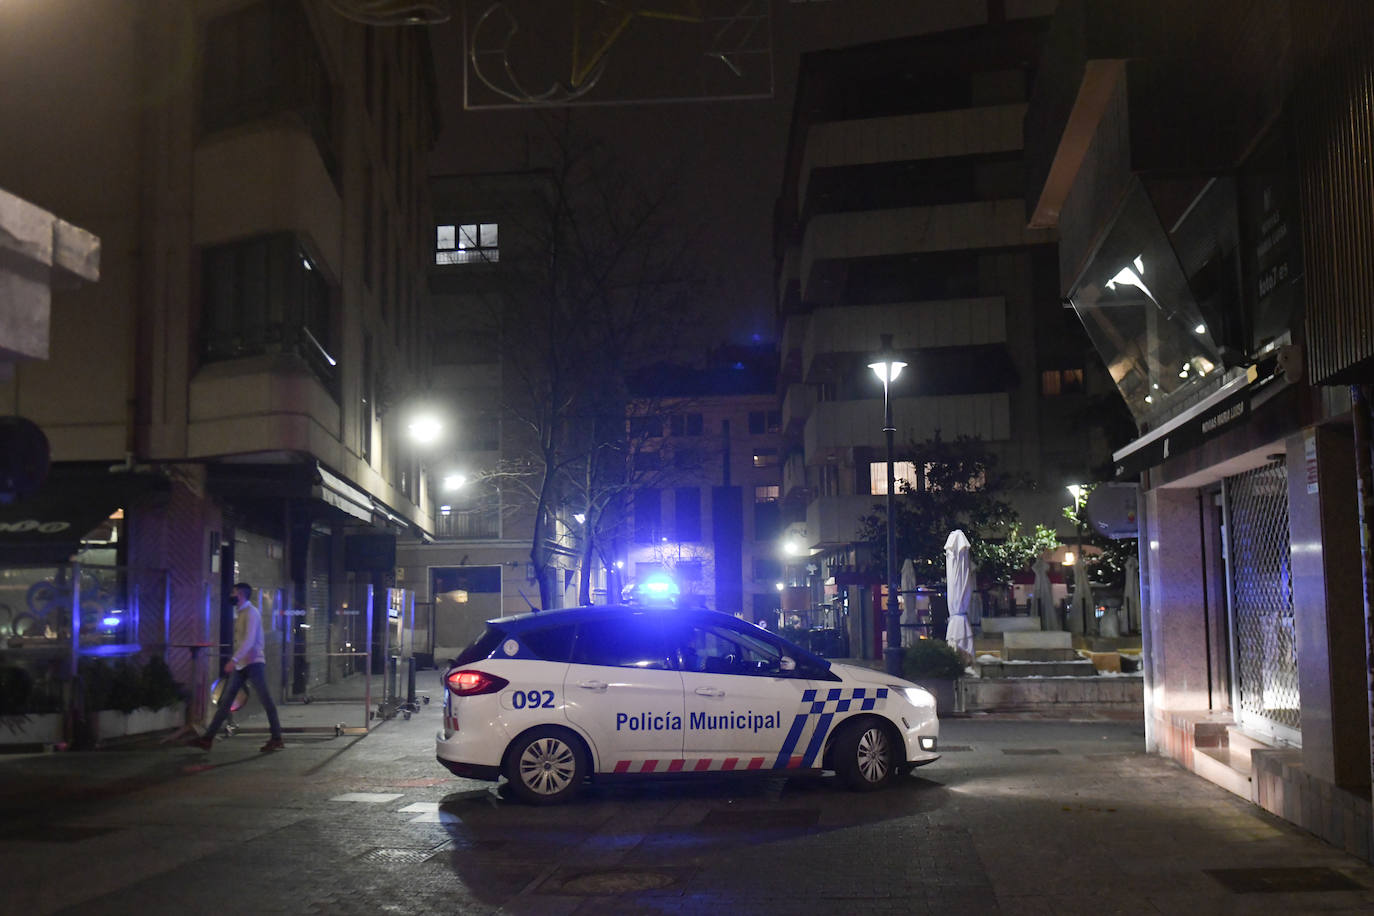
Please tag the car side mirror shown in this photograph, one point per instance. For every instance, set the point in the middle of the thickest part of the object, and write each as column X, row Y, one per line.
column 787, row 664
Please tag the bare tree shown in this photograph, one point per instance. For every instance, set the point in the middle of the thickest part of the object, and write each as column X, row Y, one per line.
column 615, row 290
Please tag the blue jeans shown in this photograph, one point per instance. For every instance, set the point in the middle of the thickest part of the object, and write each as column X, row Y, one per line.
column 254, row 674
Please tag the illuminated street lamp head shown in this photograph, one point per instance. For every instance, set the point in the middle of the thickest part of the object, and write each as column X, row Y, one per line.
column 887, row 366
column 425, row 429
column 1076, row 490
column 454, row 481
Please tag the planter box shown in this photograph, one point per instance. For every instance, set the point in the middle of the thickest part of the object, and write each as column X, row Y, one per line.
column 946, row 697
column 40, row 728
column 111, row 723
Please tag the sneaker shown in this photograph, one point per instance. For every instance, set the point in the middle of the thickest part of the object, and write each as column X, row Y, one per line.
column 203, row 743
column 273, row 744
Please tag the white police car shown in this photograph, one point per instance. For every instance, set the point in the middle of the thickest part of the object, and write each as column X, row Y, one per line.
column 550, row 698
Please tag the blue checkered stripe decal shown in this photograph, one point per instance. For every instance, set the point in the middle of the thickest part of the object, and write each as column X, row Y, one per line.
column 812, row 723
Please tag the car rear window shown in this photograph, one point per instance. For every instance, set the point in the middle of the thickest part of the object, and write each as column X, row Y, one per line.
column 552, row 644
column 482, row 648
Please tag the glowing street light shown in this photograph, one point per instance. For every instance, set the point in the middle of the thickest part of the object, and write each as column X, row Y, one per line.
column 887, row 367
column 425, row 429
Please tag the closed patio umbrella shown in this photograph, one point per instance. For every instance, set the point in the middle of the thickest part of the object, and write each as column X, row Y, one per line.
column 959, row 584
column 908, row 594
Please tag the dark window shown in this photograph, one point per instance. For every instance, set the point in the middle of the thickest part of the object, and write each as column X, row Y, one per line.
column 647, row 461
column 368, row 400
column 369, row 243
column 686, row 424
column 648, row 512
column 687, row 513
column 634, row 642
column 767, row 520
column 264, row 296
column 686, row 459
column 646, row 427
column 758, row 420
column 552, row 644
column 261, row 61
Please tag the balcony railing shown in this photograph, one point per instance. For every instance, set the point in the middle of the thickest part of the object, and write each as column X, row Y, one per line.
column 476, row 524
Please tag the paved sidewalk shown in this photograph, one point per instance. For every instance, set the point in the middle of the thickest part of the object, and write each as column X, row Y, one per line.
column 1019, row 817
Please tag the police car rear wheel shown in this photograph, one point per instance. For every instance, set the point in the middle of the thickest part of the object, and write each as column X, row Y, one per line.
column 545, row 766
column 865, row 755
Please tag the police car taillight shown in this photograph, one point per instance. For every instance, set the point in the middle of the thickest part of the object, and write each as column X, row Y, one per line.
column 469, row 682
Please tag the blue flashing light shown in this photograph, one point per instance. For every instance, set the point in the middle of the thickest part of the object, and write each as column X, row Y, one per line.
column 658, row 590
column 111, row 621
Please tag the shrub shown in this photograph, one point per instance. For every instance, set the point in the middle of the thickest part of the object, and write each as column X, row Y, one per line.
column 125, row 685
column 932, row 658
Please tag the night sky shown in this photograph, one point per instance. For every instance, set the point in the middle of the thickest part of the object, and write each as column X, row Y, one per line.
column 733, row 149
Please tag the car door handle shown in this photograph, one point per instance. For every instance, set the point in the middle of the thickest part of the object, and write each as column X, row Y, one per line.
column 710, row 691
column 593, row 685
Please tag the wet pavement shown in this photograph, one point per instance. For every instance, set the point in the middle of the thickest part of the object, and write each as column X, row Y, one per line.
column 1019, row 816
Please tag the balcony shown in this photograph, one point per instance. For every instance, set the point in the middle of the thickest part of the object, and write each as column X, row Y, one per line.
column 904, row 138
column 467, row 525
column 836, row 426
column 845, row 332
column 840, row 237
column 834, row 520
column 797, row 404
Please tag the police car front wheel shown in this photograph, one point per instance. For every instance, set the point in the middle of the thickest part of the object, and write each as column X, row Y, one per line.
column 545, row 766
column 865, row 755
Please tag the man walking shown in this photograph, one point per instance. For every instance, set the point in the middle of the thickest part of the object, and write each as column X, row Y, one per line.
column 247, row 664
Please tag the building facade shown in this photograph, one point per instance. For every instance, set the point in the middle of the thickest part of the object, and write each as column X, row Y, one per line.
column 255, row 171
column 1212, row 191
column 901, row 215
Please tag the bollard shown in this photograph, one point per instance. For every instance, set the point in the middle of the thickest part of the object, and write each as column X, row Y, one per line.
column 410, row 682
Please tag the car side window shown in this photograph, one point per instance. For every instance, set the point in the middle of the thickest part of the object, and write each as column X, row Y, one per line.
column 715, row 649
column 552, row 644
column 634, row 642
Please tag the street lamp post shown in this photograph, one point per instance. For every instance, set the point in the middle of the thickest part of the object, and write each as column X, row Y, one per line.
column 887, row 367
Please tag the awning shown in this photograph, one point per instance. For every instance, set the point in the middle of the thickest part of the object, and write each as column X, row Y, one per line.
column 1210, row 418
column 47, row 526
column 342, row 495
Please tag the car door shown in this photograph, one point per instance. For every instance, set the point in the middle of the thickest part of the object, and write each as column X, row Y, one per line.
column 623, row 691
column 745, row 706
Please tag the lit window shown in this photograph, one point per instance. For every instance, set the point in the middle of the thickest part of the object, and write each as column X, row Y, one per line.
column 766, row 494
column 466, row 243
column 765, row 457
column 904, row 472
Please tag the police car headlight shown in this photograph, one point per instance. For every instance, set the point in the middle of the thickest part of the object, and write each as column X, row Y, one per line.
column 916, row 696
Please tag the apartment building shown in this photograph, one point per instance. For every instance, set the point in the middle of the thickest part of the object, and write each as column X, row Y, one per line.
column 901, row 215
column 703, row 507
column 489, row 235
column 223, row 404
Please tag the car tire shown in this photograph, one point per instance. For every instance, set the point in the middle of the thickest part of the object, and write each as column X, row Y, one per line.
column 865, row 755
column 545, row 766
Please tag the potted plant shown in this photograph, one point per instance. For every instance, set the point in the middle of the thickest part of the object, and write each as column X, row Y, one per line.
column 935, row 665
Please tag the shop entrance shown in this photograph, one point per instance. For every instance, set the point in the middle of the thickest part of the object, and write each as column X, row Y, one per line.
column 1264, row 657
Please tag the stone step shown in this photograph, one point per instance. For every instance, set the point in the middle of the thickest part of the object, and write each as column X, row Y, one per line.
column 1039, row 655
column 1239, row 741
column 1227, row 767
column 1081, row 668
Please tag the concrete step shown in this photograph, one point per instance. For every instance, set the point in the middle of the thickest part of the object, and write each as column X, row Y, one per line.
column 1039, row 655
column 1079, row 668
column 1226, row 767
column 1239, row 741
